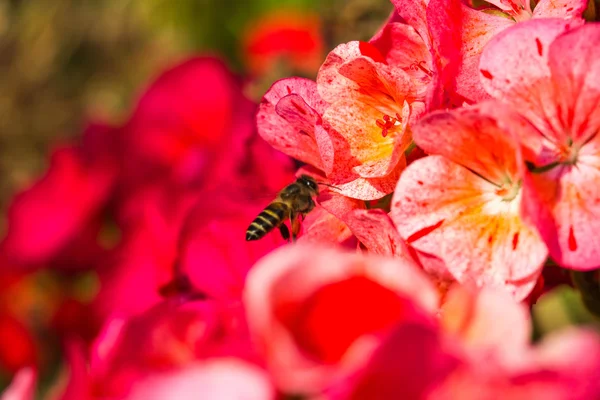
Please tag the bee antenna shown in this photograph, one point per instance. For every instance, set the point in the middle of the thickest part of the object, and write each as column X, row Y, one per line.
column 327, row 184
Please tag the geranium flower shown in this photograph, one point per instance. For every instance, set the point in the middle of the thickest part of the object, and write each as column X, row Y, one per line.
column 548, row 72
column 354, row 124
column 150, row 221
column 317, row 313
column 214, row 253
column 183, row 122
column 462, row 205
column 44, row 219
column 291, row 36
column 478, row 350
column 478, row 26
column 166, row 339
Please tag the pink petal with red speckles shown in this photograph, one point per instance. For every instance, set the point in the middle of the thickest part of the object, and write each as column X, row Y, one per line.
column 362, row 146
column 459, row 134
column 574, row 63
column 414, row 13
column 445, row 210
column 377, row 233
column 560, row 8
column 331, row 84
column 477, row 29
column 368, row 188
column 514, row 68
column 321, row 227
column 404, row 48
column 564, row 203
column 286, row 118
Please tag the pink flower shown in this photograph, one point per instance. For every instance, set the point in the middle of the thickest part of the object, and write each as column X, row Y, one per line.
column 44, row 219
column 214, row 253
column 317, row 313
column 150, row 220
column 215, row 379
column 478, row 350
column 462, row 205
column 477, row 27
column 353, row 125
column 548, row 71
column 22, row 386
column 563, row 366
column 166, row 339
column 184, row 122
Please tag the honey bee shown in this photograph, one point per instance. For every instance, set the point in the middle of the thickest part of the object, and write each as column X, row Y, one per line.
column 295, row 199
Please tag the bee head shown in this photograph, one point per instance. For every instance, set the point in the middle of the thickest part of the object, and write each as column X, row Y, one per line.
column 310, row 183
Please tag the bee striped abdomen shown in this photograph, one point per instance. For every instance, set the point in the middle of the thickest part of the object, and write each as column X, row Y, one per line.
column 269, row 218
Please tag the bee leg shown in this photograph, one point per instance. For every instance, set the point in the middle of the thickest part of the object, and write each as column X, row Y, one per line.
column 285, row 232
column 295, row 226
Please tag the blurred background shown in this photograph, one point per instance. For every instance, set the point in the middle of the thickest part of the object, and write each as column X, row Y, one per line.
column 65, row 61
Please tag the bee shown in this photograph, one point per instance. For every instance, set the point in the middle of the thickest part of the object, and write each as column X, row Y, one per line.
column 293, row 200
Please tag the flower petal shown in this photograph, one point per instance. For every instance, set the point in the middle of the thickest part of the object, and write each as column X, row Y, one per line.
column 320, row 226
column 575, row 66
column 414, row 13
column 445, row 210
column 377, row 233
column 459, row 134
column 478, row 28
column 22, row 386
column 514, row 68
column 564, row 204
column 284, row 289
column 369, row 188
column 367, row 151
column 425, row 363
column 469, row 314
column 560, row 9
column 288, row 127
column 404, row 48
column 211, row 379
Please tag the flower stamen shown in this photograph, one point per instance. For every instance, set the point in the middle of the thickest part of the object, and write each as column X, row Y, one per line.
column 388, row 123
column 416, row 66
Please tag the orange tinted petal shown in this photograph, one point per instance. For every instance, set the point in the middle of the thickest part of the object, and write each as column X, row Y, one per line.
column 447, row 211
column 459, row 134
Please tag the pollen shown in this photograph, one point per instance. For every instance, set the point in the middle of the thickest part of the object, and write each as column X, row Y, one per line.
column 388, row 123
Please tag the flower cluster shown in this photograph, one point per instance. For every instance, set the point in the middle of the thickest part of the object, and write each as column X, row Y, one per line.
column 459, row 150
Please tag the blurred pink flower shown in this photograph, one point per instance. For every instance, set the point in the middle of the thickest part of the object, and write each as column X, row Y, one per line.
column 22, row 386
column 166, row 339
column 317, row 313
column 479, row 350
column 44, row 219
column 215, row 255
column 184, row 123
column 150, row 220
column 214, row 379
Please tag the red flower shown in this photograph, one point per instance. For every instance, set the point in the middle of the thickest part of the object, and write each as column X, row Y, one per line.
column 291, row 36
